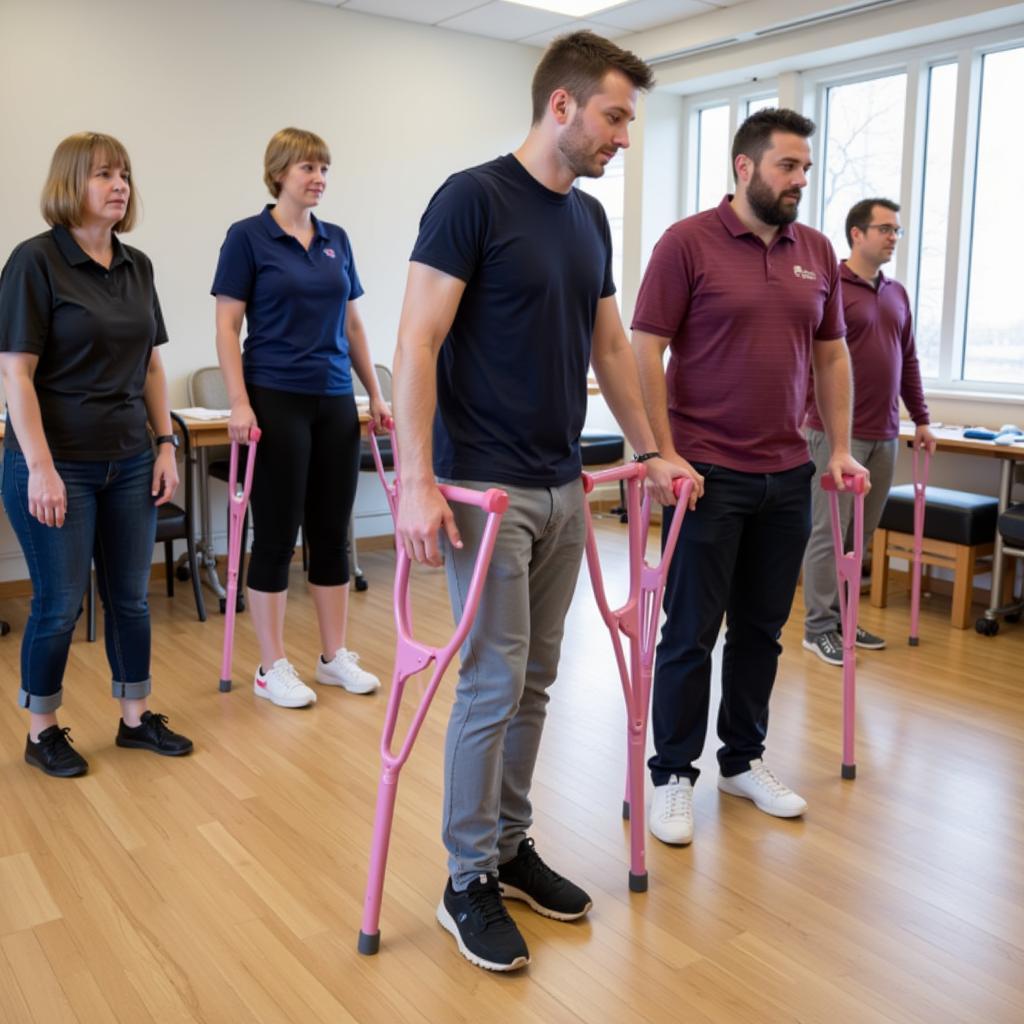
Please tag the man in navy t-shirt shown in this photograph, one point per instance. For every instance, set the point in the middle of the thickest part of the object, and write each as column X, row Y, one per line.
column 510, row 296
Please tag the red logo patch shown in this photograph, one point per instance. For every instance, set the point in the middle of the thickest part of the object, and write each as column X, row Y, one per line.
column 329, row 252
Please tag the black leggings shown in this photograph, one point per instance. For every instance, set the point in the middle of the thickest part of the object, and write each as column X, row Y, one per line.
column 307, row 467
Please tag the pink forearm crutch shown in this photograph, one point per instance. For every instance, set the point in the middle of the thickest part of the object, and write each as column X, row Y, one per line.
column 921, row 460
column 238, row 501
column 638, row 620
column 848, row 569
column 411, row 658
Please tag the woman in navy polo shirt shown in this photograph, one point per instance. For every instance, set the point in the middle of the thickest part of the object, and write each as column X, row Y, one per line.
column 79, row 322
column 293, row 279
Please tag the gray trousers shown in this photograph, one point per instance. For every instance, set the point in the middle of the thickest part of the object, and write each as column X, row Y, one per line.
column 821, row 588
column 509, row 660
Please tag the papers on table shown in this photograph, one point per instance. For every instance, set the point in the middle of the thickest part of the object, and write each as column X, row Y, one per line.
column 199, row 413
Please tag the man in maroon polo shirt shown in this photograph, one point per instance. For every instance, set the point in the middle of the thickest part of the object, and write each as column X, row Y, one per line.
column 747, row 300
column 880, row 336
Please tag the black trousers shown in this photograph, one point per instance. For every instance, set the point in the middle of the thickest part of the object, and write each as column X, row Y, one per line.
column 307, row 468
column 738, row 555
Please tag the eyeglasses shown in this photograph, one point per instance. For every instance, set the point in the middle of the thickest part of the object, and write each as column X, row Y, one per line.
column 889, row 230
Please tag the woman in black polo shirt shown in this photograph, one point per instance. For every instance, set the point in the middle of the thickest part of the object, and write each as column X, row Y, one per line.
column 79, row 319
column 293, row 279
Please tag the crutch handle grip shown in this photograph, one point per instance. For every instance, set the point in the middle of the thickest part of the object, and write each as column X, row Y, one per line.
column 682, row 487
column 255, row 434
column 852, row 482
column 626, row 471
column 491, row 500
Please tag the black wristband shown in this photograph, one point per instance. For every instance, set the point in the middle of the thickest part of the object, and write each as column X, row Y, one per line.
column 171, row 439
column 644, row 456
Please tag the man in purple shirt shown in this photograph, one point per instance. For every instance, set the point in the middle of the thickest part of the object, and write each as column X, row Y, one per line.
column 880, row 336
column 747, row 300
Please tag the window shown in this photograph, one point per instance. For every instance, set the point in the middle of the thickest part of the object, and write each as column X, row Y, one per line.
column 863, row 148
column 994, row 337
column 610, row 190
column 713, row 145
column 753, row 106
column 934, row 219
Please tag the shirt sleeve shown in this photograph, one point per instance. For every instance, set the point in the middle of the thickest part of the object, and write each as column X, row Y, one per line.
column 453, row 228
column 833, row 323
column 911, row 388
column 26, row 302
column 236, row 266
column 609, row 278
column 664, row 297
column 355, row 286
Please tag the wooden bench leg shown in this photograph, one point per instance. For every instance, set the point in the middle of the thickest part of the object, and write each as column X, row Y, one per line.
column 963, row 586
column 880, row 569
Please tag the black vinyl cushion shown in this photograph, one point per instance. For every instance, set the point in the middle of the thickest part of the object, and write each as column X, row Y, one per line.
column 170, row 523
column 598, row 449
column 366, row 462
column 1011, row 526
column 955, row 516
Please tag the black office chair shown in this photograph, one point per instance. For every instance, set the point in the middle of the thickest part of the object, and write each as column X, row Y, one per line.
column 600, row 450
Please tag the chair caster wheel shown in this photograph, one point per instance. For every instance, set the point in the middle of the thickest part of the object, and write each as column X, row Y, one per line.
column 986, row 627
column 5, row 628
column 183, row 573
column 362, row 584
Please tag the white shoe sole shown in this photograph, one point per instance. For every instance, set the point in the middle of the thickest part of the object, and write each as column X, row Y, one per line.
column 446, row 922
column 325, row 680
column 811, row 646
column 870, row 647
column 725, row 786
column 263, row 692
column 510, row 892
column 683, row 840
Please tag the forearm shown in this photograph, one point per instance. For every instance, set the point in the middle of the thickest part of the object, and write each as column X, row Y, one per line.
column 616, row 372
column 362, row 362
column 833, row 392
column 229, row 356
column 415, row 401
column 24, row 414
column 154, row 394
column 651, row 371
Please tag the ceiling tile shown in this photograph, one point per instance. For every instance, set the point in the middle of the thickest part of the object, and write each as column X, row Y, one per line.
column 505, row 21
column 427, row 12
column 545, row 37
column 644, row 14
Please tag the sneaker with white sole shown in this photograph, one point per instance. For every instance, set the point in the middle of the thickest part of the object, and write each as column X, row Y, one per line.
column 869, row 641
column 282, row 686
column 768, row 793
column 671, row 816
column 484, row 930
column 343, row 670
column 827, row 646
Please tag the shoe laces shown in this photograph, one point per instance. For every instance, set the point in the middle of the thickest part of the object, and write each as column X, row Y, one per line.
column 157, row 725
column 678, row 800
column 60, row 738
column 534, row 866
column 829, row 643
column 765, row 777
column 487, row 904
column 286, row 673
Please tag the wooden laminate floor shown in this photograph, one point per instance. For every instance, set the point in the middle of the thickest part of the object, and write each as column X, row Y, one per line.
column 227, row 887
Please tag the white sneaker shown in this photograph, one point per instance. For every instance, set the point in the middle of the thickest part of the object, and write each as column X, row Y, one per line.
column 343, row 670
column 671, row 816
column 767, row 792
column 282, row 686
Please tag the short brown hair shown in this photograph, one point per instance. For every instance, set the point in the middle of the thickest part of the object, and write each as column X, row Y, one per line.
column 861, row 213
column 578, row 63
column 64, row 192
column 287, row 147
column 755, row 134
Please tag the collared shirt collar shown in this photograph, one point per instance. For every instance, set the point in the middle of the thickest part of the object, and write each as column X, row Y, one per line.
column 848, row 275
column 737, row 228
column 76, row 255
column 276, row 231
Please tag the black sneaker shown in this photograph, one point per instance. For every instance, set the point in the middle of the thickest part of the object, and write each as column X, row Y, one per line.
column 154, row 735
column 486, row 935
column 527, row 877
column 52, row 753
column 869, row 641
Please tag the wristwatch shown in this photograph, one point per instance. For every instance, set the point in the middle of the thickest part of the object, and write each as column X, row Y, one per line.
column 171, row 439
column 644, row 456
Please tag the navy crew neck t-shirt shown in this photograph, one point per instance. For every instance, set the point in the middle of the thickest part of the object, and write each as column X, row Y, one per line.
column 512, row 373
column 295, row 303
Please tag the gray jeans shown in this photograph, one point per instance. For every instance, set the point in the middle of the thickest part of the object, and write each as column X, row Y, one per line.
column 821, row 589
column 509, row 660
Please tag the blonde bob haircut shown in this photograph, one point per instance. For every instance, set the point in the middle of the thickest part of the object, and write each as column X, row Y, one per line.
column 287, row 147
column 63, row 196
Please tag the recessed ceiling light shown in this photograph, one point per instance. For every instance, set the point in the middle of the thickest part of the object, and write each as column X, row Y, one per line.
column 571, row 8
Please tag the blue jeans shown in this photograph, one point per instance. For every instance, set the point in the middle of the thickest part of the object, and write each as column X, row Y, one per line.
column 738, row 555
column 111, row 520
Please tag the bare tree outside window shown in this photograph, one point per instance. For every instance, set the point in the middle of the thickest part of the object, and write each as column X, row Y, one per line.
column 863, row 148
column 994, row 342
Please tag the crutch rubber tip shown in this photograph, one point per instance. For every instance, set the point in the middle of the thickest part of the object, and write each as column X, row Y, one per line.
column 913, row 641
column 369, row 944
column 849, row 771
column 625, row 810
column 225, row 685
column 638, row 883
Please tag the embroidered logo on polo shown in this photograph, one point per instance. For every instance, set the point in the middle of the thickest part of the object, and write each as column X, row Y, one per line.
column 329, row 252
column 806, row 275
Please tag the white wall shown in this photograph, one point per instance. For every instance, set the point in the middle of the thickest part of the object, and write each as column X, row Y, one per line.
column 195, row 88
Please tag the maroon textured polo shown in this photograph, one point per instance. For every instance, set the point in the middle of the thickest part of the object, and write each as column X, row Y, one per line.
column 741, row 318
column 880, row 335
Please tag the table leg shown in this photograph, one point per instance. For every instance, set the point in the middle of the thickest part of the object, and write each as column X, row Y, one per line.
column 1005, row 486
column 207, row 555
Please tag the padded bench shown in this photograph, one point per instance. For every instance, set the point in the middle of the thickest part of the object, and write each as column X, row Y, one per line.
column 599, row 451
column 959, row 530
